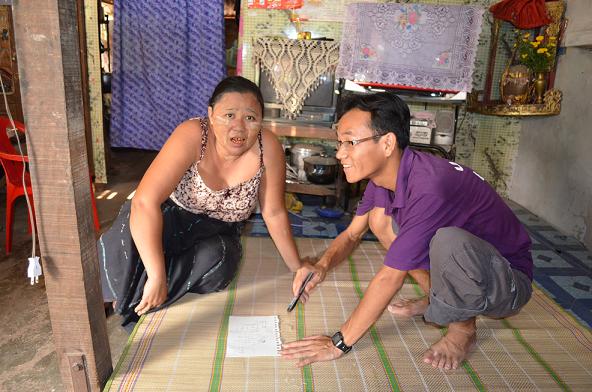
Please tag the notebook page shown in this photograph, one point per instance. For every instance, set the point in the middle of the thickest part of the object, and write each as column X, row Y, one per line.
column 253, row 336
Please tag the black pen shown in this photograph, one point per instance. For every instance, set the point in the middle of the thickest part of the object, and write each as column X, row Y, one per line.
column 296, row 298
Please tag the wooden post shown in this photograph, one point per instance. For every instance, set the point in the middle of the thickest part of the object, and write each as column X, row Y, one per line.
column 84, row 79
column 95, row 92
column 495, row 29
column 49, row 65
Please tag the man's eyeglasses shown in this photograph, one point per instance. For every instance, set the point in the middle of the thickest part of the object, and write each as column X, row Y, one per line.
column 347, row 144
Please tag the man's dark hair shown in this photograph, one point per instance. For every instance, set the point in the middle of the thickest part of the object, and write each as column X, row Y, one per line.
column 388, row 113
column 236, row 84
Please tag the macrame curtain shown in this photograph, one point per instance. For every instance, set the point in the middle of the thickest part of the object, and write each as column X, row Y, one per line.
column 294, row 67
column 167, row 58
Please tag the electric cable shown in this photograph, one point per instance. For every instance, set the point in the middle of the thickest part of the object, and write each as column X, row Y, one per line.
column 34, row 269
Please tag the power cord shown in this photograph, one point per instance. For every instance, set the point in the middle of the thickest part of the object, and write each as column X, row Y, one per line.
column 34, row 270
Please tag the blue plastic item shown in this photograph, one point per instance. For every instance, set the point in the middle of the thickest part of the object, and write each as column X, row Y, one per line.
column 334, row 213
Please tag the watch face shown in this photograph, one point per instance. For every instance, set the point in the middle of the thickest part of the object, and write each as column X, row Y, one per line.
column 338, row 342
column 336, row 338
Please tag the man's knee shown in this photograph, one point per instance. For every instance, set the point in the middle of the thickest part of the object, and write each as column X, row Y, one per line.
column 448, row 238
column 457, row 290
column 471, row 277
column 451, row 241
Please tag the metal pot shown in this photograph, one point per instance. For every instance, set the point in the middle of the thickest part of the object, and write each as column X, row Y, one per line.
column 303, row 150
column 320, row 170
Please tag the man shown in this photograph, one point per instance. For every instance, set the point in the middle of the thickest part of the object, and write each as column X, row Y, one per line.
column 440, row 222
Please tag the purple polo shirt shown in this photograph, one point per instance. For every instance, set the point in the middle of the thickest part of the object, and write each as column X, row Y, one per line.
column 432, row 193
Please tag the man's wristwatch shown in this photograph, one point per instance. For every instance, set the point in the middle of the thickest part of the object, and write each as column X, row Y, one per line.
column 338, row 342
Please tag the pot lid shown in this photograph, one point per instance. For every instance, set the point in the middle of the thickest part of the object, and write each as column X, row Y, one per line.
column 317, row 160
column 307, row 147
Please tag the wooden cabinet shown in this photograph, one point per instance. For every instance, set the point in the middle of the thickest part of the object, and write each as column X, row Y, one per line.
column 444, row 106
column 318, row 132
column 286, row 129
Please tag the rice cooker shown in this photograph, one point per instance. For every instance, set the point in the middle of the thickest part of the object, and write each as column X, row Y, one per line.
column 303, row 150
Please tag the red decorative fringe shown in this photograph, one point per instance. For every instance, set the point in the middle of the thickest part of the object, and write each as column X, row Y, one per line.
column 276, row 4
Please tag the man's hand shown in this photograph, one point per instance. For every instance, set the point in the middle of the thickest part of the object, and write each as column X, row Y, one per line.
column 155, row 293
column 311, row 349
column 307, row 266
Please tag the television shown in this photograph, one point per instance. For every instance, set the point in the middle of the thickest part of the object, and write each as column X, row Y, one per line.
column 319, row 107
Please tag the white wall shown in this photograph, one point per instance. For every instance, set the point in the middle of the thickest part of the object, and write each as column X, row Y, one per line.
column 553, row 172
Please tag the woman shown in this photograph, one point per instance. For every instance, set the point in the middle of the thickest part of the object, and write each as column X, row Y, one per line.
column 181, row 231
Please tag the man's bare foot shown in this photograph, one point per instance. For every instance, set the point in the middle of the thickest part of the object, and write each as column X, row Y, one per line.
column 409, row 307
column 449, row 352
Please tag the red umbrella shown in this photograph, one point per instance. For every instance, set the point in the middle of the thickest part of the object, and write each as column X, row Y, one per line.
column 524, row 14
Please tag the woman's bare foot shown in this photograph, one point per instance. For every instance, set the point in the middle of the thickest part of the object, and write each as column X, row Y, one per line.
column 449, row 352
column 409, row 307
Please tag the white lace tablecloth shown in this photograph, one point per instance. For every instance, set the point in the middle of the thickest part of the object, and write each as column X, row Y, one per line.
column 418, row 45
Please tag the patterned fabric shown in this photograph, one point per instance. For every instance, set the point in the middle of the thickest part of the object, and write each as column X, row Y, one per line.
column 425, row 46
column 232, row 204
column 295, row 67
column 167, row 59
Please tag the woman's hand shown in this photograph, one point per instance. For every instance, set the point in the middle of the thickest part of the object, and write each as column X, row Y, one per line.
column 155, row 294
column 307, row 266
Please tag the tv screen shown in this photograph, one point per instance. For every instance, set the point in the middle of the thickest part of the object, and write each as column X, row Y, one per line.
column 322, row 96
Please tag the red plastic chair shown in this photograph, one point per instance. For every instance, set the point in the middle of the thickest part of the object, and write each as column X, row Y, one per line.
column 13, row 170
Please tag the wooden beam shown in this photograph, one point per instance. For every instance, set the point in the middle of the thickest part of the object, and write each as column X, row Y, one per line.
column 495, row 29
column 95, row 92
column 84, row 79
column 49, row 63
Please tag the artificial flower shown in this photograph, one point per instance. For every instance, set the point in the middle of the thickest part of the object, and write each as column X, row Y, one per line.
column 537, row 54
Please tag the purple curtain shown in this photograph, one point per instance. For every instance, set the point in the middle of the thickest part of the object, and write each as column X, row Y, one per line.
column 168, row 55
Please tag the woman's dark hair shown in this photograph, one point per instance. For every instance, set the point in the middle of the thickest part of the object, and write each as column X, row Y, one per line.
column 236, row 84
column 388, row 113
